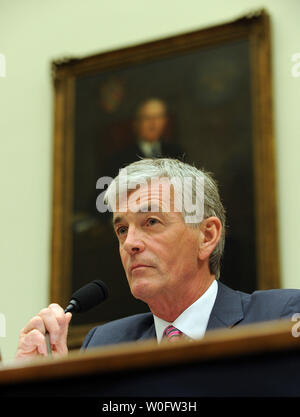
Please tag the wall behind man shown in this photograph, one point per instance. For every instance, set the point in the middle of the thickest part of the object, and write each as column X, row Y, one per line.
column 33, row 33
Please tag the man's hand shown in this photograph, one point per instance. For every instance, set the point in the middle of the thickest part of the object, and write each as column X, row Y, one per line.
column 32, row 340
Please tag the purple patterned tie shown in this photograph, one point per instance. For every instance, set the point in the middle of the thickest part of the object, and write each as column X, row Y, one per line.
column 171, row 334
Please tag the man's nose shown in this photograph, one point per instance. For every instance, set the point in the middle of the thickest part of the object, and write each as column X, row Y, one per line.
column 133, row 243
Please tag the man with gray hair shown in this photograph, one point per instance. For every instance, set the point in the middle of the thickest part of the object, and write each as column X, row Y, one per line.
column 170, row 224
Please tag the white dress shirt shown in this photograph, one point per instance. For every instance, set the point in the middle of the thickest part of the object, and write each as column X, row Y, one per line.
column 192, row 321
column 149, row 149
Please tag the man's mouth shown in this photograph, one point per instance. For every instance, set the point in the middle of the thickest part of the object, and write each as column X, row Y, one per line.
column 139, row 266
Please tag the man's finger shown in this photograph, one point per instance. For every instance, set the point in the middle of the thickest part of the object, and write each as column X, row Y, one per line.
column 60, row 315
column 51, row 324
column 33, row 341
column 35, row 323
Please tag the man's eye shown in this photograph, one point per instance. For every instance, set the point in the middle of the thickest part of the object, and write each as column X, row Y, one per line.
column 121, row 230
column 152, row 221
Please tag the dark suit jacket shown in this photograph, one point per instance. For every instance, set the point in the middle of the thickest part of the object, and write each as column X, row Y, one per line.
column 231, row 308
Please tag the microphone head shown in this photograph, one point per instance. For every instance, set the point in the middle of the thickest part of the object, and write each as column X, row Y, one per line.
column 88, row 296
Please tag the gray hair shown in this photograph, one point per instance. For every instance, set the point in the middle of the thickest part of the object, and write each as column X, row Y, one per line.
column 145, row 170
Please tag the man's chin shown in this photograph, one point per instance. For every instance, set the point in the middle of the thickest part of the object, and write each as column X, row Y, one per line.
column 142, row 290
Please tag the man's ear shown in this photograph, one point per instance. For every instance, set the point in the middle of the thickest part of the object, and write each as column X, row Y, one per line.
column 210, row 234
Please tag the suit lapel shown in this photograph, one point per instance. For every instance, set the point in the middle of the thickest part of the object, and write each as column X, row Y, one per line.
column 227, row 310
column 149, row 332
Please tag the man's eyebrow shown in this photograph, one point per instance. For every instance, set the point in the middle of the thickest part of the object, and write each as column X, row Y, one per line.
column 150, row 207
column 146, row 208
column 117, row 220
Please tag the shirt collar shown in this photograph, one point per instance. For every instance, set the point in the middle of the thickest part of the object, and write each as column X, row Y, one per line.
column 148, row 148
column 192, row 321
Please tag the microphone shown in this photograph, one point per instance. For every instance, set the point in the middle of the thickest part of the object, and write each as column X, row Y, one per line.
column 87, row 297
column 83, row 300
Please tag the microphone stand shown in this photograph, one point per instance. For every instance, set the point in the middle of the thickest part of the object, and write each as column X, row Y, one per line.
column 49, row 349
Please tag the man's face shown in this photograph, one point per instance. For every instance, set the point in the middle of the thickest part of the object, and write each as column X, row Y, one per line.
column 151, row 121
column 159, row 252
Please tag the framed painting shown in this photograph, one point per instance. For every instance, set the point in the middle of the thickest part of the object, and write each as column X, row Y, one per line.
column 205, row 97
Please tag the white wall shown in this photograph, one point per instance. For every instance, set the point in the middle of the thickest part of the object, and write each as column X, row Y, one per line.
column 34, row 32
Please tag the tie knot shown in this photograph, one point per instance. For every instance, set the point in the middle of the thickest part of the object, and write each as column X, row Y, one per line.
column 172, row 334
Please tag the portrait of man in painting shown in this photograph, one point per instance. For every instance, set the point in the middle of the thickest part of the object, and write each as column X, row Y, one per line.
column 196, row 104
